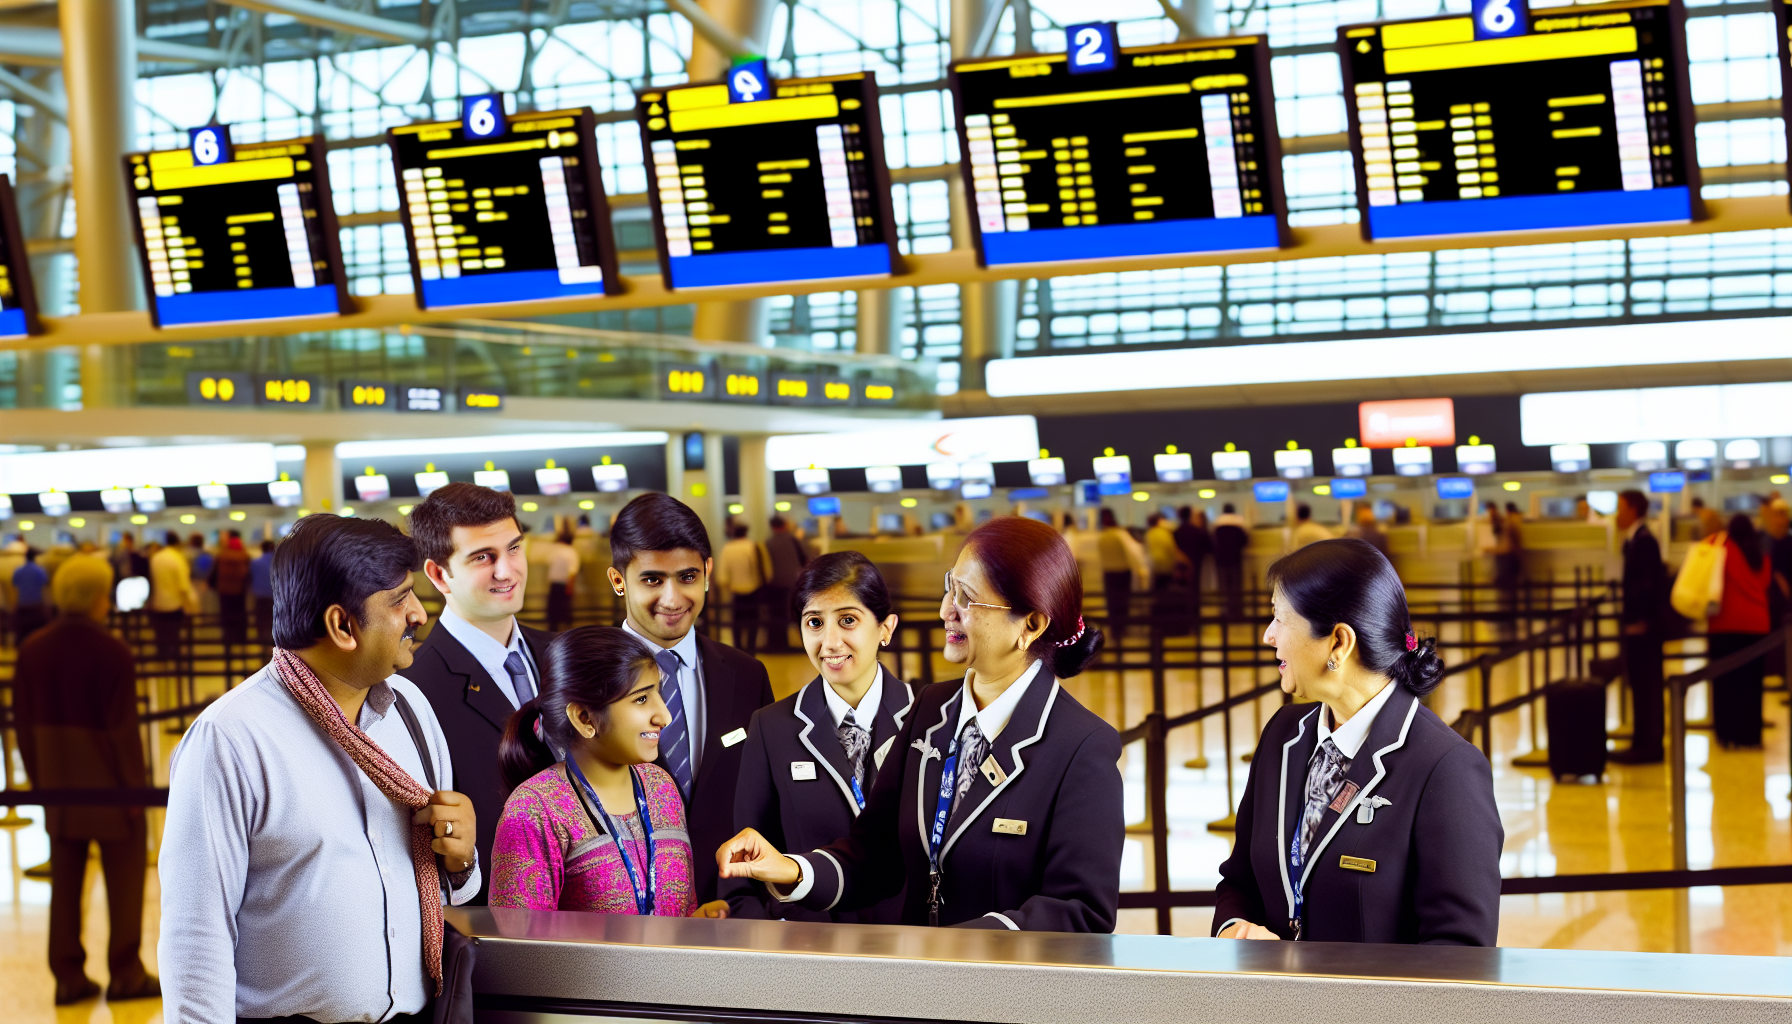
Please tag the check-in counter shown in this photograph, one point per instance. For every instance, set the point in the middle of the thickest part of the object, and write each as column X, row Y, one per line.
column 538, row 967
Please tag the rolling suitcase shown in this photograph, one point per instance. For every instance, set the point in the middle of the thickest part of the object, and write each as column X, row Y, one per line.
column 1576, row 722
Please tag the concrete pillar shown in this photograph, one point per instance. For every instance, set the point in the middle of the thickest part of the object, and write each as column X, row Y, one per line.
column 755, row 487
column 712, row 504
column 99, row 70
column 675, row 465
column 879, row 323
column 323, row 477
column 986, row 311
column 751, row 20
column 42, row 177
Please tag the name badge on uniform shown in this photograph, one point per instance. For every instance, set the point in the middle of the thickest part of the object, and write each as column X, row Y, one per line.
column 802, row 771
column 1362, row 864
column 1345, row 795
column 1010, row 827
column 729, row 739
column 993, row 772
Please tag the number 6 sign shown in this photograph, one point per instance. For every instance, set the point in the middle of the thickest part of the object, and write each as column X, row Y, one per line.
column 482, row 117
column 1092, row 47
column 209, row 145
column 1497, row 19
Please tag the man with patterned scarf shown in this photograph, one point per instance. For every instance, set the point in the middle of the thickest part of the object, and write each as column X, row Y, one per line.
column 305, row 862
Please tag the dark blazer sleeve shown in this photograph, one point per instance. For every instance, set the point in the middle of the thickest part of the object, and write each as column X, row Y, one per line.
column 1238, row 893
column 1645, row 580
column 1457, row 839
column 865, row 866
column 1080, row 890
column 755, row 807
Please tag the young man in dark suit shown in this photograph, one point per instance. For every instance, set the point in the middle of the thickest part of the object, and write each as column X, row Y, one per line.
column 660, row 566
column 478, row 665
column 1641, row 615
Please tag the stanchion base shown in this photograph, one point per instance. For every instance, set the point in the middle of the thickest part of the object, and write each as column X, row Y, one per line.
column 1139, row 828
column 1197, row 763
column 14, row 819
column 38, row 872
column 1701, row 723
column 1534, row 759
column 1227, row 824
column 1620, row 734
column 1246, row 756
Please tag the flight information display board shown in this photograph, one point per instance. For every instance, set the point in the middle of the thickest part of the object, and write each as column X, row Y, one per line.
column 18, row 301
column 1584, row 120
column 787, row 187
column 251, row 236
column 1174, row 150
column 512, row 214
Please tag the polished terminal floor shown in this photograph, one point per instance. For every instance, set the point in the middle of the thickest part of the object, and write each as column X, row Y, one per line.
column 1739, row 810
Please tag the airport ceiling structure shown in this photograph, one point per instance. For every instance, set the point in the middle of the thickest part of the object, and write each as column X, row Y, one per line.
column 277, row 69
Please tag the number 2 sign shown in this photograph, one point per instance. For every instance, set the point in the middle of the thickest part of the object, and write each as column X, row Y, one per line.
column 1497, row 19
column 1093, row 47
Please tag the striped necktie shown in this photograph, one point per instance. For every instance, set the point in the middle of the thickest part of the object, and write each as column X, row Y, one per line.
column 675, row 738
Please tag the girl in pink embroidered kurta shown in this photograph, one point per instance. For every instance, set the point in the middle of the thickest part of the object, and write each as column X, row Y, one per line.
column 557, row 844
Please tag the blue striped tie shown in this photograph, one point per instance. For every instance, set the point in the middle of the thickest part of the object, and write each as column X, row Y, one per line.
column 675, row 738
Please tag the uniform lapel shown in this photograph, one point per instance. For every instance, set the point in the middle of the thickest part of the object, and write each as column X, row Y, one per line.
column 1291, row 795
column 823, row 742
column 477, row 687
column 927, row 775
column 891, row 713
column 717, row 681
column 1025, row 728
column 1386, row 735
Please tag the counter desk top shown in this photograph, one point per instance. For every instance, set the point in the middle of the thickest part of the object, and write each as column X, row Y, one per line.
column 539, row 966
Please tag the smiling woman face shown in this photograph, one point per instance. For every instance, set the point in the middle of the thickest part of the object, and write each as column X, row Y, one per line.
column 843, row 637
column 1302, row 655
column 628, row 732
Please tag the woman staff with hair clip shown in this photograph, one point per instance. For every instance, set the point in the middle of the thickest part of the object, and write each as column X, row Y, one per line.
column 1366, row 818
column 602, row 831
column 1004, row 810
column 809, row 760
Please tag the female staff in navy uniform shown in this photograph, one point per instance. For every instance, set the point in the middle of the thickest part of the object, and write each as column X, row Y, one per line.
column 1005, row 808
column 810, row 759
column 1366, row 818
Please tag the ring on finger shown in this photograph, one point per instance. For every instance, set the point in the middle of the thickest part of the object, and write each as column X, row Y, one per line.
column 448, row 828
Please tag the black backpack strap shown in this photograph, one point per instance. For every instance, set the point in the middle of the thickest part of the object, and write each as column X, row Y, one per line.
column 416, row 730
column 429, row 770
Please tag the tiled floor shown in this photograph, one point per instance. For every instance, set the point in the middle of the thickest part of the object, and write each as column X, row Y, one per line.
column 1739, row 812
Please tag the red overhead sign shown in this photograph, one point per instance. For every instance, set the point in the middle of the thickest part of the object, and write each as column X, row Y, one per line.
column 1419, row 421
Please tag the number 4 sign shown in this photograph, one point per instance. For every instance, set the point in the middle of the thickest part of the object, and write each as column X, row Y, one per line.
column 1093, row 47
column 1497, row 19
column 482, row 117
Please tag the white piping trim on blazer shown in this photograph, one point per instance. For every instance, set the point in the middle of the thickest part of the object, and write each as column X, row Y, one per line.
column 1282, row 813
column 1005, row 920
column 928, row 753
column 1019, row 766
column 1380, row 772
column 808, row 727
column 840, row 877
column 899, row 717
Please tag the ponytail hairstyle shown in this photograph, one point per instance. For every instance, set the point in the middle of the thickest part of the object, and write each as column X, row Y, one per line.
column 1348, row 581
column 1031, row 567
column 591, row 666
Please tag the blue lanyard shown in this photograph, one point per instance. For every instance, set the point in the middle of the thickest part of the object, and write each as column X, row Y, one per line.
column 643, row 897
column 1294, row 865
column 858, row 794
column 943, row 807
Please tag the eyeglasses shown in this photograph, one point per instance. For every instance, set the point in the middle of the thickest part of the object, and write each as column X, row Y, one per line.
column 965, row 604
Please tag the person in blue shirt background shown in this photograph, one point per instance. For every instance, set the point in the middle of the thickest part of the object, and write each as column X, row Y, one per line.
column 29, row 581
